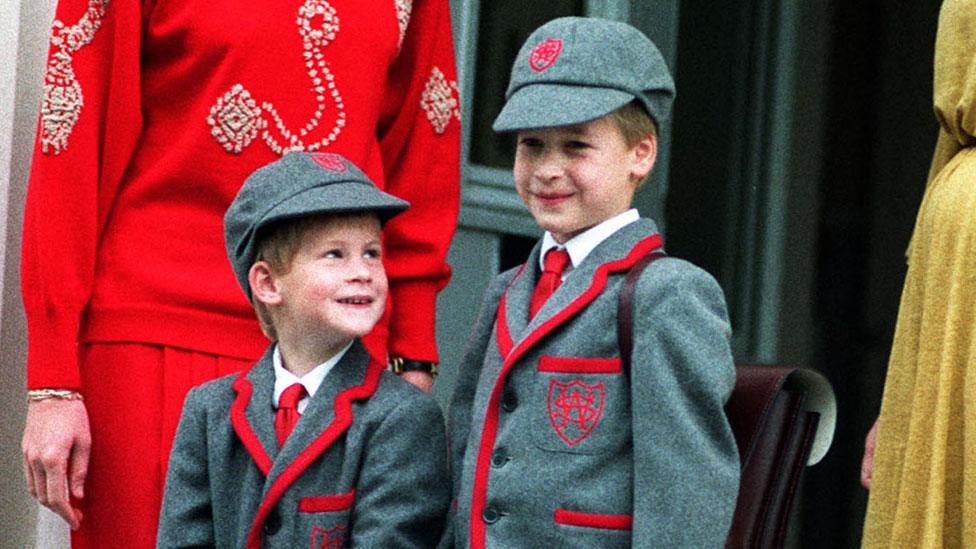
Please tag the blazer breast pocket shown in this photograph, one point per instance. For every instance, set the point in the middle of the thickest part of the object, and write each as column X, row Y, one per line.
column 580, row 405
column 324, row 520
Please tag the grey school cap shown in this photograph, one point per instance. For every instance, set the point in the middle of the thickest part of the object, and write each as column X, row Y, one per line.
column 299, row 184
column 577, row 69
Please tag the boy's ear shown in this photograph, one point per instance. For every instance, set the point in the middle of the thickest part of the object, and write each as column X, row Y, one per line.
column 264, row 284
column 644, row 156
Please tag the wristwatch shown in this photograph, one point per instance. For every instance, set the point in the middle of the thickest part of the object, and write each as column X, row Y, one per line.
column 399, row 365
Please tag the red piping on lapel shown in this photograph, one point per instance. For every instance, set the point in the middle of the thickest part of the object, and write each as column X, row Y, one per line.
column 502, row 334
column 343, row 418
column 489, row 431
column 243, row 428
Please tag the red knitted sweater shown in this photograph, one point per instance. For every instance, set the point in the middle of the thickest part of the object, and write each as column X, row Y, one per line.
column 156, row 111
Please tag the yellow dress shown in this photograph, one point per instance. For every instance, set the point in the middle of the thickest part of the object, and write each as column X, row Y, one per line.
column 923, row 491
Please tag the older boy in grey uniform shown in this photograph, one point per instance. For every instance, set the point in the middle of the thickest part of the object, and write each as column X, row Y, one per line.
column 553, row 442
column 315, row 445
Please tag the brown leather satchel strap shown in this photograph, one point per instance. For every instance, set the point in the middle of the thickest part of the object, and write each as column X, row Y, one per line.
column 625, row 309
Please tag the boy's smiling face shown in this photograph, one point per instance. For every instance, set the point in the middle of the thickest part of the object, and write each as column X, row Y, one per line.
column 574, row 177
column 335, row 288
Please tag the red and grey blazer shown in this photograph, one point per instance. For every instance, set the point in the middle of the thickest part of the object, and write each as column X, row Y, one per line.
column 365, row 465
column 554, row 445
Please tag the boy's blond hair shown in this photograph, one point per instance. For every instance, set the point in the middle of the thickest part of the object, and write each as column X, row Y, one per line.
column 277, row 246
column 635, row 125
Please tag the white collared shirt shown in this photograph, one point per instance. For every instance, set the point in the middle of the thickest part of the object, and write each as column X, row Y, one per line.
column 582, row 244
column 312, row 380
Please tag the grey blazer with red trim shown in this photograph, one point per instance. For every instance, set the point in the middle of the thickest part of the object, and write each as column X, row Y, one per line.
column 365, row 466
column 553, row 445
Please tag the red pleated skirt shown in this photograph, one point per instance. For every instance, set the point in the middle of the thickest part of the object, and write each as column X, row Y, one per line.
column 134, row 395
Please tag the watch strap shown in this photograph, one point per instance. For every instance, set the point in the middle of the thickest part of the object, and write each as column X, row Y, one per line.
column 400, row 365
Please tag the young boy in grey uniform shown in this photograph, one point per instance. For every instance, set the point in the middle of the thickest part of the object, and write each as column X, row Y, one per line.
column 553, row 442
column 315, row 445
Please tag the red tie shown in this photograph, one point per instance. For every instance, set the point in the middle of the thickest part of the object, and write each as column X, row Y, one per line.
column 550, row 279
column 288, row 415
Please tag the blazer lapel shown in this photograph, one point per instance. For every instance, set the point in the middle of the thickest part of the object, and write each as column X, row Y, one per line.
column 252, row 413
column 328, row 415
column 581, row 287
column 320, row 414
column 519, row 295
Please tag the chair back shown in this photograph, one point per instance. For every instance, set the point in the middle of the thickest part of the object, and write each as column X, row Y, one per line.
column 779, row 416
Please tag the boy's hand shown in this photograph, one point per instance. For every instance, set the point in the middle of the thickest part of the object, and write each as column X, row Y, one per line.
column 422, row 380
column 867, row 464
column 56, row 446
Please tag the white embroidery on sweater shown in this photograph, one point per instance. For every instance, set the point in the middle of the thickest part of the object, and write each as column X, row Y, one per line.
column 236, row 119
column 403, row 8
column 440, row 101
column 63, row 98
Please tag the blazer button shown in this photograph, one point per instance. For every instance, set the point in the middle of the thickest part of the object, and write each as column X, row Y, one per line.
column 499, row 458
column 491, row 515
column 273, row 523
column 509, row 401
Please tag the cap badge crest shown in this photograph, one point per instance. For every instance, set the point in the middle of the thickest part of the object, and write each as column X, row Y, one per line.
column 331, row 162
column 545, row 54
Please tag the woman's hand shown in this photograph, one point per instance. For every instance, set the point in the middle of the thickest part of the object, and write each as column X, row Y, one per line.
column 867, row 464
column 56, row 446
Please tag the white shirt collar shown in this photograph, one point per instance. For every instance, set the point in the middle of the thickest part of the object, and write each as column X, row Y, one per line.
column 582, row 244
column 312, row 380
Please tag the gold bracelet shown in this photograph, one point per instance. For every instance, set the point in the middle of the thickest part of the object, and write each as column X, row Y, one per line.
column 61, row 394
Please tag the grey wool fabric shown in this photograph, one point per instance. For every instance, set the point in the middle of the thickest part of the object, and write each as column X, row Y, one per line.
column 364, row 467
column 299, row 184
column 570, row 450
column 577, row 69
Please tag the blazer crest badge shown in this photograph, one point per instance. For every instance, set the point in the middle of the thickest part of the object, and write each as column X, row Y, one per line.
column 334, row 538
column 575, row 409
